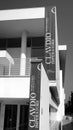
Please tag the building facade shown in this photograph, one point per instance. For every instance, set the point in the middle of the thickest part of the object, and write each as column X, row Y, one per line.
column 31, row 64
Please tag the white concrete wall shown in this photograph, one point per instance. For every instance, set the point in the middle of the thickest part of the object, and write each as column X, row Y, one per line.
column 16, row 14
column 46, row 116
column 44, row 101
column 57, row 54
column 14, row 87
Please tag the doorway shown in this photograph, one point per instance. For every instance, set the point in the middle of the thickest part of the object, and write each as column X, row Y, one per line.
column 11, row 117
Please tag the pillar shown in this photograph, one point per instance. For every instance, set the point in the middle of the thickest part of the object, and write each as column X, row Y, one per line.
column 23, row 54
column 2, row 116
column 18, row 117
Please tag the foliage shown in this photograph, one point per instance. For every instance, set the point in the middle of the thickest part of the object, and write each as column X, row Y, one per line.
column 69, row 105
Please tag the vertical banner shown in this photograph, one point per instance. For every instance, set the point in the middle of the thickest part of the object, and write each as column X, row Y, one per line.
column 34, row 105
column 50, row 53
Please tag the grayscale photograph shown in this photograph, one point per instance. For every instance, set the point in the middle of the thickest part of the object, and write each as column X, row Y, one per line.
column 36, row 65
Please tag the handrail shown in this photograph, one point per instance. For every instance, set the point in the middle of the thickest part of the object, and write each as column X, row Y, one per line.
column 14, row 70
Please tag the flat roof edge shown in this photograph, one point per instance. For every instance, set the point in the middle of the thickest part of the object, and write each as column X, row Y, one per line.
column 18, row 14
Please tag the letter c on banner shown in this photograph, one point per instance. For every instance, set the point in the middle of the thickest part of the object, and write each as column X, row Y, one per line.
column 32, row 123
column 53, row 10
column 39, row 67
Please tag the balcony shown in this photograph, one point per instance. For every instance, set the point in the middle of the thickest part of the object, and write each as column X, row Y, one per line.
column 13, row 70
column 12, row 84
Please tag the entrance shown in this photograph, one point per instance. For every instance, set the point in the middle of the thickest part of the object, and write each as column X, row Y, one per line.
column 23, row 124
column 11, row 117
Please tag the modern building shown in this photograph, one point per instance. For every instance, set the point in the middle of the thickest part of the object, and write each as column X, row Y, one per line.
column 31, row 64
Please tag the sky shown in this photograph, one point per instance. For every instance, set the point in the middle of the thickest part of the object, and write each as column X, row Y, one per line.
column 65, row 29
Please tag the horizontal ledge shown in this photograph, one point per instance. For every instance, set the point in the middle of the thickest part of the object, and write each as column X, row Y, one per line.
column 35, row 60
column 52, row 83
column 20, row 14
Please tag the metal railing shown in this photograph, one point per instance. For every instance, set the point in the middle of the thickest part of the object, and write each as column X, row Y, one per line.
column 15, row 69
column 20, row 64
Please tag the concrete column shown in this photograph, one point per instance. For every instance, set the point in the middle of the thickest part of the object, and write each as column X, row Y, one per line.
column 18, row 117
column 2, row 116
column 23, row 54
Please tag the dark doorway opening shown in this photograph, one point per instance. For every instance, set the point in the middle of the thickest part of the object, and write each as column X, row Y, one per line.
column 10, row 117
column 23, row 122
